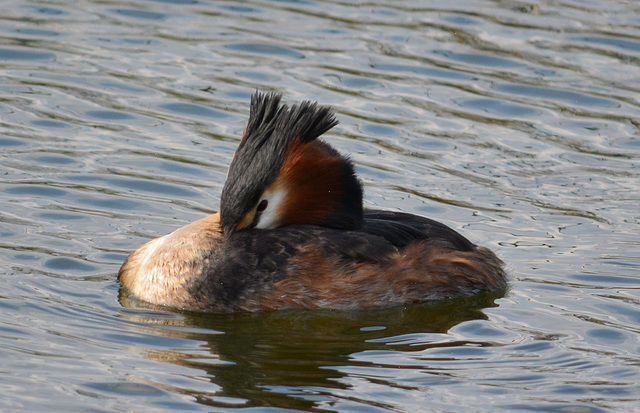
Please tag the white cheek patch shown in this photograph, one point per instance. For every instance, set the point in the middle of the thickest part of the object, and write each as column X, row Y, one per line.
column 270, row 217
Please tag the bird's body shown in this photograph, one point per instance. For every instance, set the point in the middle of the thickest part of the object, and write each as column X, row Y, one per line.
column 291, row 232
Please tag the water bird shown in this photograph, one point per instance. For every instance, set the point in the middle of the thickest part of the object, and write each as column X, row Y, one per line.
column 291, row 231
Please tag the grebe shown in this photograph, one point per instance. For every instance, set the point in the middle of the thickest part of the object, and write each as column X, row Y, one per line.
column 292, row 232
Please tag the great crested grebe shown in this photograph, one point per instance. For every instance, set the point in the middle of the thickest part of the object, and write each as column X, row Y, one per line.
column 292, row 232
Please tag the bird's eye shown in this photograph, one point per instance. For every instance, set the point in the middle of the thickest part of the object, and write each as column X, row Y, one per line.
column 262, row 205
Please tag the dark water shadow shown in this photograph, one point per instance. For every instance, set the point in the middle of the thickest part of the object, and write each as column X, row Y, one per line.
column 290, row 358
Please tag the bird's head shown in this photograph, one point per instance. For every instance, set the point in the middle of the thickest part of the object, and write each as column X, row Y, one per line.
column 282, row 174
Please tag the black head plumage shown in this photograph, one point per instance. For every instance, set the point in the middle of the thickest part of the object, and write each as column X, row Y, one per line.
column 260, row 155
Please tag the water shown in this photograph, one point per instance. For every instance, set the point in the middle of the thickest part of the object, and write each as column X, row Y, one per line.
column 515, row 122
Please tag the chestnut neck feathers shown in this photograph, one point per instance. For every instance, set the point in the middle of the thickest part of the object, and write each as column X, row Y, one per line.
column 282, row 174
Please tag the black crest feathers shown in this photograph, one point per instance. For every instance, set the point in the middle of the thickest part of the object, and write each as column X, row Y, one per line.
column 261, row 153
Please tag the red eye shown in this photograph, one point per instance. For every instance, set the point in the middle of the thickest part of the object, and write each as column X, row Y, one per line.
column 262, row 205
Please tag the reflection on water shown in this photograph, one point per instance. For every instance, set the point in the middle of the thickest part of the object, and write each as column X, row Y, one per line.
column 258, row 358
column 515, row 122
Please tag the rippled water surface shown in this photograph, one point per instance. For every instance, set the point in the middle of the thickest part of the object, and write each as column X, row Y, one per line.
column 516, row 122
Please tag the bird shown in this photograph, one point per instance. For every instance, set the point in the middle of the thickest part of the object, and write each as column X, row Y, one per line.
column 291, row 231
